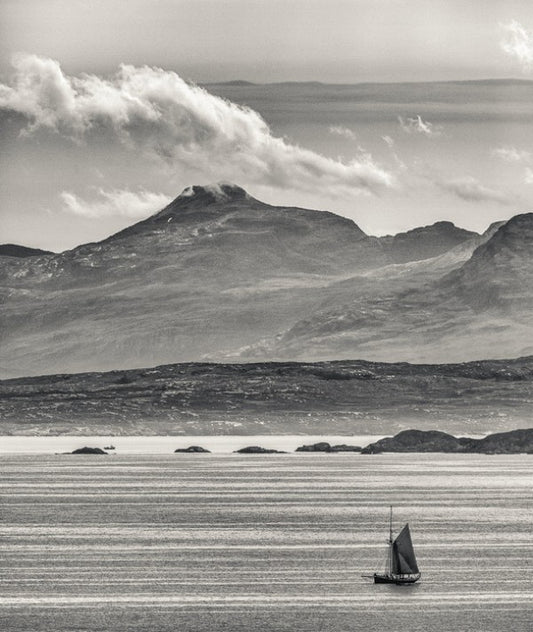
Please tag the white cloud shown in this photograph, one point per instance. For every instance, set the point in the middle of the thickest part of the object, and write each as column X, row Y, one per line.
column 528, row 176
column 123, row 203
column 518, row 42
column 388, row 140
column 156, row 111
column 342, row 131
column 417, row 125
column 512, row 154
column 469, row 189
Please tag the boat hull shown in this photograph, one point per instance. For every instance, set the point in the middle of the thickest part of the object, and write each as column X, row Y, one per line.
column 396, row 579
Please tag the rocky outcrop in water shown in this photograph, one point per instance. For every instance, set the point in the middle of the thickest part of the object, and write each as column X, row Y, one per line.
column 193, row 449
column 345, row 448
column 324, row 446
column 87, row 450
column 255, row 449
column 513, row 442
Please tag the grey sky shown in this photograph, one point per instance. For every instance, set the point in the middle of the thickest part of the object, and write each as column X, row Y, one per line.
column 83, row 156
column 269, row 40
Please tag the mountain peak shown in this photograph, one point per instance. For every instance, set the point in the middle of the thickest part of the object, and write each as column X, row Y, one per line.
column 514, row 235
column 218, row 192
column 196, row 203
column 425, row 242
column 499, row 272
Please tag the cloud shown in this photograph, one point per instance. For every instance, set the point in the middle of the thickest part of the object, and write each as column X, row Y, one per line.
column 471, row 190
column 520, row 156
column 418, row 126
column 518, row 42
column 512, row 154
column 122, row 203
column 388, row 140
column 157, row 112
column 342, row 131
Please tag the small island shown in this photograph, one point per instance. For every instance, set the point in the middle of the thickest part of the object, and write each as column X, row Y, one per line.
column 324, row 446
column 87, row 450
column 255, row 449
column 512, row 442
column 193, row 449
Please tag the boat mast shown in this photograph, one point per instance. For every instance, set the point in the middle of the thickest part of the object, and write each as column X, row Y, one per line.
column 390, row 542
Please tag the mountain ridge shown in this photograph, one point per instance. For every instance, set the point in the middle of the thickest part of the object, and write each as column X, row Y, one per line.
column 16, row 250
column 219, row 275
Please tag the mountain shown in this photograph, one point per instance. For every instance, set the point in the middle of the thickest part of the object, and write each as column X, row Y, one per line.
column 13, row 250
column 499, row 273
column 224, row 226
column 219, row 275
column 212, row 271
column 425, row 242
column 480, row 309
column 341, row 397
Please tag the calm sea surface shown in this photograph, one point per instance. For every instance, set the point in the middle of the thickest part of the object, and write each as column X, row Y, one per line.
column 233, row 542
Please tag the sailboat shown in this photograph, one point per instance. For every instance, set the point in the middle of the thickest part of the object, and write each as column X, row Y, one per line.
column 401, row 566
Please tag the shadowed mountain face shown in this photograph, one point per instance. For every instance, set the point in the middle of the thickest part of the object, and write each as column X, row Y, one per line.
column 500, row 273
column 14, row 250
column 218, row 274
column 425, row 242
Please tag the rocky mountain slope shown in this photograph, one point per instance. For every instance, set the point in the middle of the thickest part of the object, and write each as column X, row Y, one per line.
column 343, row 397
column 219, row 275
column 480, row 309
column 425, row 242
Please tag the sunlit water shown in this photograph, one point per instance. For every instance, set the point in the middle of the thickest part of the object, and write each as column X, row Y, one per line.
column 231, row 542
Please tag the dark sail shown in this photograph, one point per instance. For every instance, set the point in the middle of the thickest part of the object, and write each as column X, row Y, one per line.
column 403, row 554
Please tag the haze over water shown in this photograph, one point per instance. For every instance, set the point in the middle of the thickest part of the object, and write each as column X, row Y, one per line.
column 231, row 542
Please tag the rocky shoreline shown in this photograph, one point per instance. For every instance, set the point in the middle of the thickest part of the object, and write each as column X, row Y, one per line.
column 512, row 442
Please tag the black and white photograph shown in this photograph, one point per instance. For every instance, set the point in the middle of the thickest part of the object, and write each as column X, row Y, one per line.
column 266, row 315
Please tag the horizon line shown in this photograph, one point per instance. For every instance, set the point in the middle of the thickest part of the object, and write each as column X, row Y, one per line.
column 246, row 82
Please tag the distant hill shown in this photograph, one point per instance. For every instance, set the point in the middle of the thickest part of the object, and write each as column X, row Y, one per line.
column 343, row 397
column 218, row 275
column 425, row 242
column 13, row 250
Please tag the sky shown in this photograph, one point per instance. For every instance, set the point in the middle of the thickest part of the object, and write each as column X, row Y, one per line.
column 108, row 110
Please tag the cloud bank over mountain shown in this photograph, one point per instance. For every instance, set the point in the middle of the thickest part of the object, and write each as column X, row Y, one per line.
column 157, row 112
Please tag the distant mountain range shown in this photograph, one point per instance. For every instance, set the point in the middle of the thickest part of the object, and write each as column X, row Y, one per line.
column 218, row 275
column 482, row 82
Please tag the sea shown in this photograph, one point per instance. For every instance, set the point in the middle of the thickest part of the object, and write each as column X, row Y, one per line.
column 282, row 542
